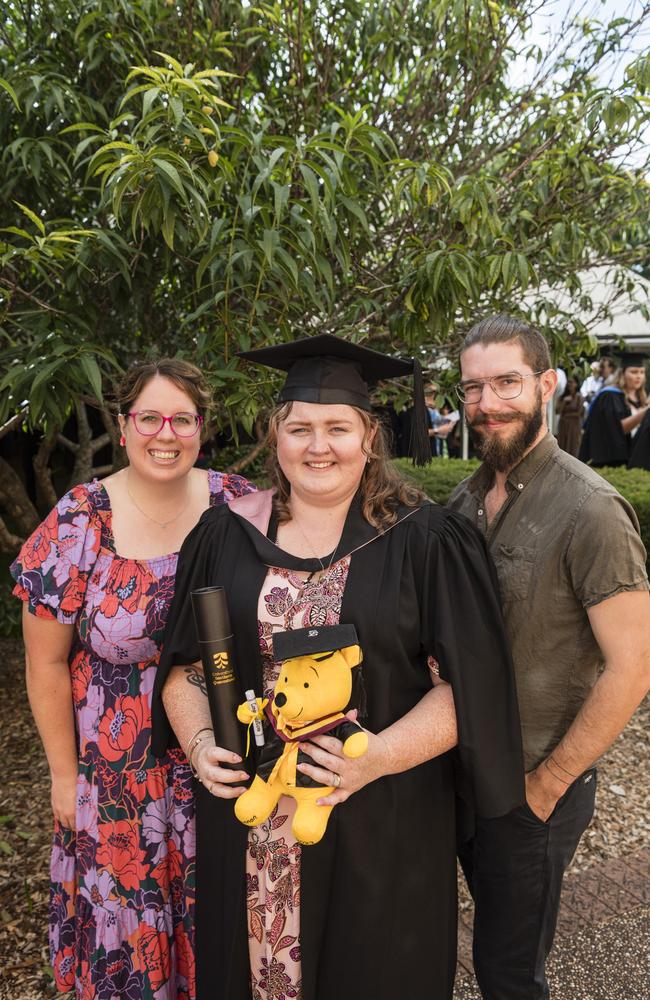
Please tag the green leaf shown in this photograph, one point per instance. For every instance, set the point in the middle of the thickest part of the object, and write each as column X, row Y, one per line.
column 10, row 90
column 311, row 184
column 168, row 225
column 82, row 127
column 93, row 374
column 172, row 175
column 31, row 215
column 269, row 243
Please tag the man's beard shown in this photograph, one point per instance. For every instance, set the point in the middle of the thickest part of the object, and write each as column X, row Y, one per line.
column 503, row 454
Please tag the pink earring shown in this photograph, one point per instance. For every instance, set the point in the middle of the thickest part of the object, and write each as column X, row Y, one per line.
column 122, row 440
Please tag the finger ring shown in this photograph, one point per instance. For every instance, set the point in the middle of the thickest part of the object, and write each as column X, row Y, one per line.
column 210, row 787
column 336, row 780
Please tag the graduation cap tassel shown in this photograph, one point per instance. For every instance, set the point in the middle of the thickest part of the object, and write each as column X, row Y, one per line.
column 419, row 447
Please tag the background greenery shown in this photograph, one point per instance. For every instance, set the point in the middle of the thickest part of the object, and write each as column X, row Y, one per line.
column 438, row 481
column 441, row 476
column 198, row 177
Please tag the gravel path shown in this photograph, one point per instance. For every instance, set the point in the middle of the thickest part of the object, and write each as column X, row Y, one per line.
column 620, row 828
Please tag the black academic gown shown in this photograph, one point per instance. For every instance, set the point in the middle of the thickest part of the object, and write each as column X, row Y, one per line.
column 640, row 451
column 378, row 893
column 604, row 442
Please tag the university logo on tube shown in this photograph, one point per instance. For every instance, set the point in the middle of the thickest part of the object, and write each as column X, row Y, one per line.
column 222, row 672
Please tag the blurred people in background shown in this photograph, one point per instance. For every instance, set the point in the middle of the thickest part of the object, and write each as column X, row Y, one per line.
column 615, row 415
column 570, row 410
column 601, row 373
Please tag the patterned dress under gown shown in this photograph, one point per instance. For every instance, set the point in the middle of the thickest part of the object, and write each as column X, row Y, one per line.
column 122, row 886
column 287, row 600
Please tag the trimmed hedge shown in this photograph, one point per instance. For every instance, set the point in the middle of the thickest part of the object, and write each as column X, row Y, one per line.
column 437, row 480
column 440, row 477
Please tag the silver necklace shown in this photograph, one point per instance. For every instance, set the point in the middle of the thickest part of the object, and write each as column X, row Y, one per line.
column 369, row 541
column 161, row 524
column 313, row 552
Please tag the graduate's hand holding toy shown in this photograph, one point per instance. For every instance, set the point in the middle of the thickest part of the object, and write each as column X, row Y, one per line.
column 331, row 764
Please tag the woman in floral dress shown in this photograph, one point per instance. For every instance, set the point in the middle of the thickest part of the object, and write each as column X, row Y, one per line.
column 98, row 579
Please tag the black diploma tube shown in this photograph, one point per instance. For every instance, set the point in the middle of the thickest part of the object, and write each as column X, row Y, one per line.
column 218, row 657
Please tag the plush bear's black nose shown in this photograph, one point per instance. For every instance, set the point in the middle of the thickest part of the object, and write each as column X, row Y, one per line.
column 280, row 699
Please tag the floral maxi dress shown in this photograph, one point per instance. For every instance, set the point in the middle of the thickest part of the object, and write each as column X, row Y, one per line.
column 122, row 886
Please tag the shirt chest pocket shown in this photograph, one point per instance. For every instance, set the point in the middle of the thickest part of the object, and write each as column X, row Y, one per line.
column 515, row 564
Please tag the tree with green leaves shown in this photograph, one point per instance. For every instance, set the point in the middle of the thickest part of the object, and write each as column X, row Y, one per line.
column 200, row 177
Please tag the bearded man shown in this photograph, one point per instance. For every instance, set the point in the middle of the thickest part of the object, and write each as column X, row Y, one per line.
column 574, row 589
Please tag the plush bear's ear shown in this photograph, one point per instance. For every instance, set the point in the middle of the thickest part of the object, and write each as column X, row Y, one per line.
column 352, row 655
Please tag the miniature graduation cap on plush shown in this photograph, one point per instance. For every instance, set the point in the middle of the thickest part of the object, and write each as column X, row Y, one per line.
column 309, row 641
column 326, row 369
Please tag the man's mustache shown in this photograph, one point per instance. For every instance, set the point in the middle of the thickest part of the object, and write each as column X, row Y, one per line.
column 501, row 418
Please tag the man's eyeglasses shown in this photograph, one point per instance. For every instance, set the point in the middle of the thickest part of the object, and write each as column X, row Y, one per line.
column 507, row 386
column 150, row 422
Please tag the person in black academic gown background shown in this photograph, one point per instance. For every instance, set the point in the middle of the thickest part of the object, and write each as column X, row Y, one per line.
column 370, row 910
column 640, row 451
column 614, row 415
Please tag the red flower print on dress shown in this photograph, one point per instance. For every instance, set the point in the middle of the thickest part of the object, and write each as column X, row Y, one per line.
column 119, row 849
column 121, row 726
column 147, row 782
column 169, row 867
column 64, row 970
column 73, row 592
column 35, row 553
column 185, row 962
column 127, row 582
column 81, row 675
column 153, row 952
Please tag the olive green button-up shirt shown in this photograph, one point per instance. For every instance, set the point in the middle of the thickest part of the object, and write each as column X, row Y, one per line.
column 563, row 541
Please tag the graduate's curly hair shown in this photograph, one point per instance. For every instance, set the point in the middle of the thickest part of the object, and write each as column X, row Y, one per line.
column 382, row 488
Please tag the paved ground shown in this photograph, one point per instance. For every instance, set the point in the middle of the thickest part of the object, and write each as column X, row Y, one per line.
column 602, row 949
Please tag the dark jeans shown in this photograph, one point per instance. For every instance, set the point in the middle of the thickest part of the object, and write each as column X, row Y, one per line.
column 514, row 867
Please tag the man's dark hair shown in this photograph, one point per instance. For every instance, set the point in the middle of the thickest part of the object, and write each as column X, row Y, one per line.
column 503, row 330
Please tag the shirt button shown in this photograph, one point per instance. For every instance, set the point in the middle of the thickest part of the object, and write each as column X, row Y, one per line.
column 520, row 486
column 480, row 512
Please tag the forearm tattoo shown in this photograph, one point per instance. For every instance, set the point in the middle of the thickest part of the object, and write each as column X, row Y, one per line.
column 197, row 678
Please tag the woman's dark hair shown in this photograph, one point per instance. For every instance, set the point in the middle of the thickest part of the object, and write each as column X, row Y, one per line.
column 183, row 374
column 567, row 391
column 382, row 488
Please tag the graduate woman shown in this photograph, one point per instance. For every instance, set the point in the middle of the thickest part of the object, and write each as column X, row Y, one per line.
column 370, row 910
column 615, row 415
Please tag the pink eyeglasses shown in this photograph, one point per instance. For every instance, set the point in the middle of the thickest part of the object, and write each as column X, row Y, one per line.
column 150, row 422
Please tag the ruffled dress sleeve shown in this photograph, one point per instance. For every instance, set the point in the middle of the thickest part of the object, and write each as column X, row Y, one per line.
column 464, row 630
column 52, row 568
column 225, row 486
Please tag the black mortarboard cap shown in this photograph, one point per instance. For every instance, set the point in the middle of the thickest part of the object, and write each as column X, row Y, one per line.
column 307, row 641
column 632, row 359
column 327, row 369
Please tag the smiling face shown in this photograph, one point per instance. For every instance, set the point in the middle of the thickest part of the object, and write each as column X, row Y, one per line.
column 320, row 449
column 165, row 456
column 503, row 430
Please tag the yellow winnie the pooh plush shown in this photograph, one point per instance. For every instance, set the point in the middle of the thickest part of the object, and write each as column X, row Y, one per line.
column 311, row 693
